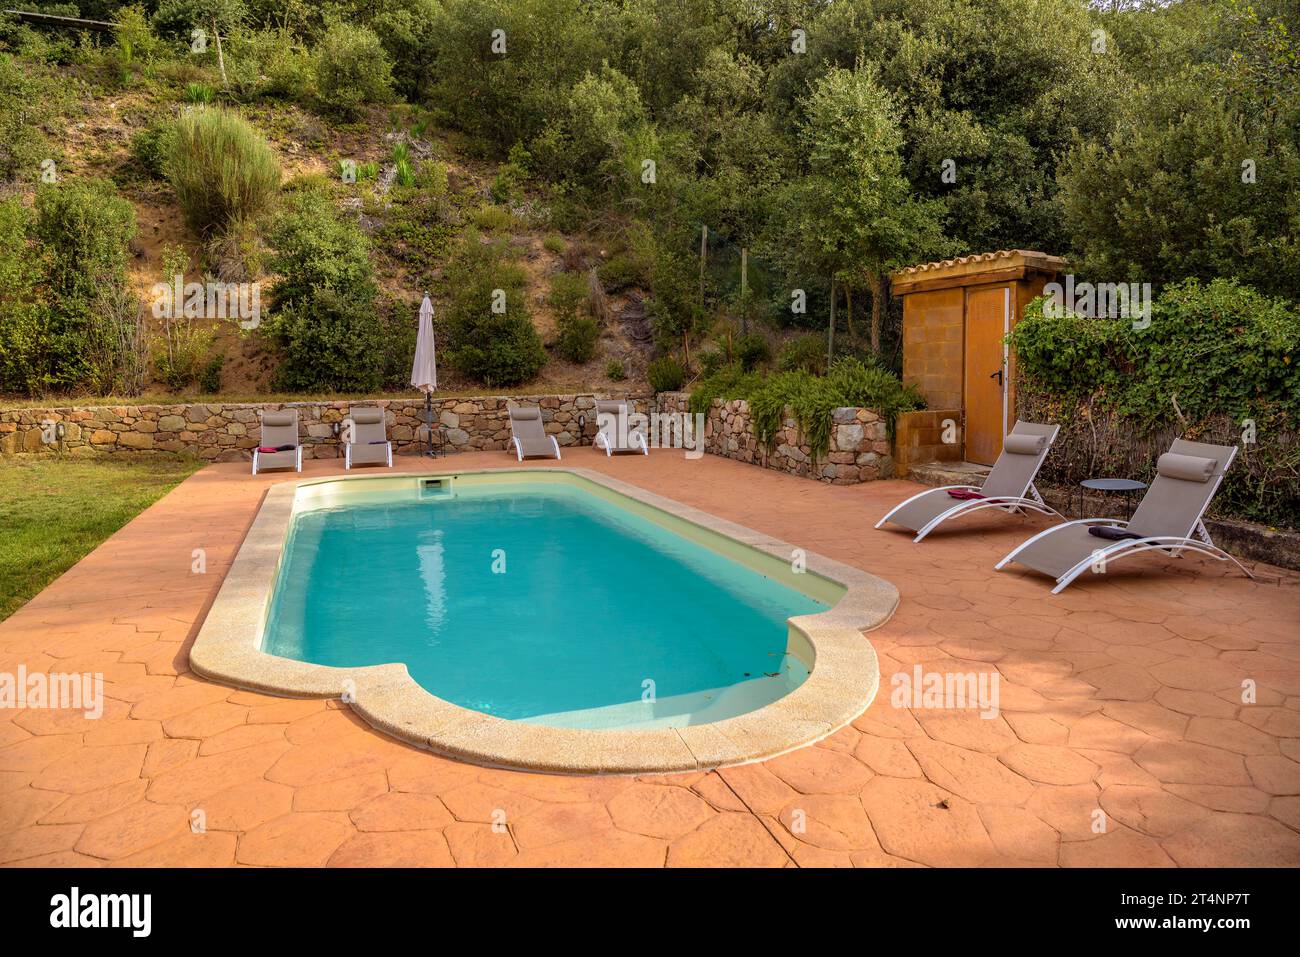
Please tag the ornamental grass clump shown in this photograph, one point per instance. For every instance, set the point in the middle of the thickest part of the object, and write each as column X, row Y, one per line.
column 221, row 169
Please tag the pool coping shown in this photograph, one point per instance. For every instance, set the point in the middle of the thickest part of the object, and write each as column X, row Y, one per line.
column 843, row 680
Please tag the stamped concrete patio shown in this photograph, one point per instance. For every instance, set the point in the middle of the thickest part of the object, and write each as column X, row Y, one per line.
column 1122, row 696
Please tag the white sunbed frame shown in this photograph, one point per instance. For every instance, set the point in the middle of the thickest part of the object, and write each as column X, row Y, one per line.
column 519, row 448
column 347, row 454
column 1008, row 503
column 1027, row 499
column 1196, row 540
column 297, row 468
column 634, row 440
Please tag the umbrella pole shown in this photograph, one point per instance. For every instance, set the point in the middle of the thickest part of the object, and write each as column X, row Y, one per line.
column 428, row 423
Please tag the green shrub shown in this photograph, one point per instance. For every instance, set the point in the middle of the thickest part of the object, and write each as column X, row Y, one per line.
column 28, row 102
column 623, row 271
column 269, row 62
column 812, row 399
column 134, row 39
column 63, row 291
column 432, row 178
column 507, row 185
column 499, row 348
column 492, row 219
column 183, row 351
column 614, row 370
column 150, row 148
column 666, row 374
column 751, row 350
column 1219, row 362
column 805, row 353
column 210, row 377
column 26, row 332
column 710, row 361
column 554, row 243
column 1219, row 348
column 86, row 228
column 578, row 331
column 352, row 69
column 221, row 169
column 315, row 249
column 335, row 341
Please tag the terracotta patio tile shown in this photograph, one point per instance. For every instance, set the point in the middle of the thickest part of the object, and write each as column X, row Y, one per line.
column 1235, row 840
column 299, row 839
column 819, row 770
column 93, row 768
column 604, row 849
column 1046, row 764
column 245, row 806
column 38, row 839
column 28, row 806
column 1151, row 811
column 661, row 811
column 1016, row 832
column 1177, row 762
column 553, row 823
column 920, row 822
column 834, row 822
column 131, row 829
column 758, row 787
column 1274, row 774
column 974, row 776
column 396, row 811
column 80, row 808
column 727, row 840
column 340, row 795
column 388, row 849
column 478, row 845
column 1118, row 847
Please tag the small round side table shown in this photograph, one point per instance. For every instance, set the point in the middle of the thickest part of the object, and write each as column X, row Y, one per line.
column 1127, row 486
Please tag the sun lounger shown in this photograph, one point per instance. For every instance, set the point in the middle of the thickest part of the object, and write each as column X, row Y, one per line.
column 369, row 445
column 278, row 446
column 528, row 437
column 1009, row 485
column 1168, row 519
column 613, row 433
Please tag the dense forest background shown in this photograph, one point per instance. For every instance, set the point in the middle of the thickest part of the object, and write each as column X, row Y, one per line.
column 622, row 194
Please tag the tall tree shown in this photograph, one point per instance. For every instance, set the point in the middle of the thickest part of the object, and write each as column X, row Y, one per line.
column 853, row 211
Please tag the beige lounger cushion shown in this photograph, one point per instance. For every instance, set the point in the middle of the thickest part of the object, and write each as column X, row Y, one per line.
column 1019, row 444
column 1189, row 468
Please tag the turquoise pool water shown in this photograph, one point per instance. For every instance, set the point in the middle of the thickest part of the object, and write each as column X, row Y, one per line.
column 538, row 602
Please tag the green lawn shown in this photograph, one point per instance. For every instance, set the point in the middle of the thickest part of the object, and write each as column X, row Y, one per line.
column 54, row 511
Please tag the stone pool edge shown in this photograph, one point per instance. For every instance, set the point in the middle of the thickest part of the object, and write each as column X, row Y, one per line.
column 843, row 681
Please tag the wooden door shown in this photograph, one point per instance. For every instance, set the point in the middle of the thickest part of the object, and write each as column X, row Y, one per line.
column 985, row 372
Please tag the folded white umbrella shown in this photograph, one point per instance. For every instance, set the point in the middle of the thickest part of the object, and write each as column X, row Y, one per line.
column 424, row 371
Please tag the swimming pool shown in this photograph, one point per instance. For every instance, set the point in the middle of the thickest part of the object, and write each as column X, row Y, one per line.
column 535, row 601
column 544, row 618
